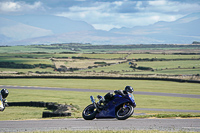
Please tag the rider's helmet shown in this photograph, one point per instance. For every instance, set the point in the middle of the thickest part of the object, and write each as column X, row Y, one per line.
column 129, row 89
column 4, row 93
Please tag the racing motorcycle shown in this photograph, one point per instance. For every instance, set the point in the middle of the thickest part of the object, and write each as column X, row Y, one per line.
column 3, row 103
column 120, row 107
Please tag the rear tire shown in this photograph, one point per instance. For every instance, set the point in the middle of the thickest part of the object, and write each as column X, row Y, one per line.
column 123, row 114
column 89, row 112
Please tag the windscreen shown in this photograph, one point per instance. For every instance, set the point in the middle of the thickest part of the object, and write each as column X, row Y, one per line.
column 131, row 96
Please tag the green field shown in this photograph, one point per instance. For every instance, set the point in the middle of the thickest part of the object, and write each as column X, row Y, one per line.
column 160, row 67
column 105, row 56
column 25, row 60
column 163, row 59
column 169, row 72
column 93, row 60
column 38, row 55
column 81, row 99
column 108, row 84
column 76, row 47
column 171, row 64
column 162, row 56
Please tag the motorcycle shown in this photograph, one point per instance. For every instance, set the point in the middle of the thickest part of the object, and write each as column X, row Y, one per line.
column 120, row 107
column 2, row 103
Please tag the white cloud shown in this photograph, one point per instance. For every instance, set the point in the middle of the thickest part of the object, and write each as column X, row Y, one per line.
column 106, row 14
column 118, row 3
column 167, row 6
column 10, row 6
column 157, row 3
column 105, row 26
column 100, row 19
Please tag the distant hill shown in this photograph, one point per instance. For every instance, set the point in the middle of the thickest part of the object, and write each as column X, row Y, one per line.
column 25, row 29
column 183, row 30
column 56, row 24
column 4, row 39
column 13, row 31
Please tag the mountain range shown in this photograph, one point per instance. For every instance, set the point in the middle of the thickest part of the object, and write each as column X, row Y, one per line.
column 47, row 29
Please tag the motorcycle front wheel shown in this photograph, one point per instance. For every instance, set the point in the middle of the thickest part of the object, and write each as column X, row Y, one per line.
column 124, row 113
column 89, row 112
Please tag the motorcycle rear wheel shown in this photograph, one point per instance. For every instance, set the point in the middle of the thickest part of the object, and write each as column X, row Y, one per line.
column 89, row 112
column 124, row 113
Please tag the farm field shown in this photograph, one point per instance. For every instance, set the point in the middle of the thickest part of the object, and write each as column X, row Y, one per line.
column 91, row 60
column 38, row 55
column 158, row 67
column 82, row 63
column 171, row 64
column 162, row 56
column 105, row 63
column 105, row 56
column 181, row 72
column 89, row 48
column 25, row 60
column 127, row 60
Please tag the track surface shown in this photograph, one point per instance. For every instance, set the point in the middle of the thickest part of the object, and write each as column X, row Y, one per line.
column 101, row 124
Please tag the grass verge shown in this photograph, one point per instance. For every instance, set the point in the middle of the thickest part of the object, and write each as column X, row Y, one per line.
column 109, row 84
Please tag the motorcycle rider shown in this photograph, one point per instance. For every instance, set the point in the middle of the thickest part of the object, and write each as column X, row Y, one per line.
column 109, row 96
column 3, row 102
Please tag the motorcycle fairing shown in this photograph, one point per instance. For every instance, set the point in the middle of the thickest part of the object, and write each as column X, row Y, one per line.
column 109, row 109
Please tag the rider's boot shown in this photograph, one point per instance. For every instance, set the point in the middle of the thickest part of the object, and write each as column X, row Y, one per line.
column 100, row 102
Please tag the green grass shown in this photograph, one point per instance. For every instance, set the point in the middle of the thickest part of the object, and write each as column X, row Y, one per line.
column 81, row 99
column 109, row 84
column 28, row 70
column 84, row 63
column 169, row 115
column 34, row 55
column 170, row 64
column 163, row 56
column 104, row 56
column 164, row 102
column 29, row 61
column 29, row 49
column 25, row 60
column 97, row 48
column 160, row 67
column 167, row 72
column 21, row 113
column 112, row 68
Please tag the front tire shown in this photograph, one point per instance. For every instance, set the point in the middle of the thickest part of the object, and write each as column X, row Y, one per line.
column 124, row 113
column 89, row 112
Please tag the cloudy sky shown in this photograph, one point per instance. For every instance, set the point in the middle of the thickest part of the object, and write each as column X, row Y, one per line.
column 105, row 14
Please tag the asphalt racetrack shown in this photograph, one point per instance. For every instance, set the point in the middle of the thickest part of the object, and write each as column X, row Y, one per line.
column 104, row 124
column 101, row 124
